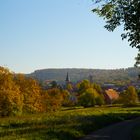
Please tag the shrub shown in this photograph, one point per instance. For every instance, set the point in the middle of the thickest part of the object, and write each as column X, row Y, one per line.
column 11, row 103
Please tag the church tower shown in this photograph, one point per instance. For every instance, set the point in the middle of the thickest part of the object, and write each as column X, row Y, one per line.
column 68, row 85
column 67, row 78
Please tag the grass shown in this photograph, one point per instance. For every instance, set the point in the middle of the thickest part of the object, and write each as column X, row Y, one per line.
column 67, row 124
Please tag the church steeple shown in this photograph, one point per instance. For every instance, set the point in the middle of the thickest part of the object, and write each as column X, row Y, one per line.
column 67, row 78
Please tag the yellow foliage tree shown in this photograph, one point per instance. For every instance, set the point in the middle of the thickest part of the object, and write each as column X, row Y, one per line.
column 55, row 99
column 11, row 103
column 31, row 92
column 11, row 100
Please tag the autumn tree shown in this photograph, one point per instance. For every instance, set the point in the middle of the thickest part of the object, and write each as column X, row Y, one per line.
column 66, row 97
column 69, row 87
column 55, row 98
column 45, row 100
column 31, row 92
column 11, row 101
column 125, row 13
column 19, row 93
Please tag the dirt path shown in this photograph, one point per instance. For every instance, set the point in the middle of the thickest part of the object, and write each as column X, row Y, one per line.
column 119, row 131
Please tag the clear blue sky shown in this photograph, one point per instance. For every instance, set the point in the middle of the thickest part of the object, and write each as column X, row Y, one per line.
column 37, row 34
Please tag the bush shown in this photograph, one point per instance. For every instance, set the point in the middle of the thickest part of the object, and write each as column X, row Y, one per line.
column 11, row 103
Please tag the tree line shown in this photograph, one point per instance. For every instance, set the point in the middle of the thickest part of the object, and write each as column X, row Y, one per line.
column 100, row 76
column 20, row 94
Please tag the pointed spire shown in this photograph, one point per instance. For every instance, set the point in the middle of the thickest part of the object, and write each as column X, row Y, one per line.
column 67, row 78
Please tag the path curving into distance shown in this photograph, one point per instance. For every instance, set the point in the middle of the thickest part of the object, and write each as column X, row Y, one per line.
column 118, row 131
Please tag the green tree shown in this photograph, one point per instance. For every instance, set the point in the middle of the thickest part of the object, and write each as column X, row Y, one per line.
column 129, row 97
column 98, row 88
column 87, row 99
column 83, row 86
column 53, row 84
column 125, row 13
column 100, row 100
column 90, row 94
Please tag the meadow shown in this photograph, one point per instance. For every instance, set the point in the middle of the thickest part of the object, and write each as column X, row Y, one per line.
column 65, row 124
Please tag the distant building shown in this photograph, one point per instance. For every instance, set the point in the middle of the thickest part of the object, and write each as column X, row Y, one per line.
column 67, row 79
column 111, row 95
column 68, row 84
column 107, row 86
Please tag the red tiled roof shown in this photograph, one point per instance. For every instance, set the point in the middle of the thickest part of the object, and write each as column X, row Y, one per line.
column 112, row 94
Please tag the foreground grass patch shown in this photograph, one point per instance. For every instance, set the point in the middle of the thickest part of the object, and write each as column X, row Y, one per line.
column 68, row 124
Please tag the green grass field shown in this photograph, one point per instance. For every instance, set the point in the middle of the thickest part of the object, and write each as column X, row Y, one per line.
column 67, row 124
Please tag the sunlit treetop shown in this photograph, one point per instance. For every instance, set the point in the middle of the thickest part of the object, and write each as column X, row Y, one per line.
column 4, row 70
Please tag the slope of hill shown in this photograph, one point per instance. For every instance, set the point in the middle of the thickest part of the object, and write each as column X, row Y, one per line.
column 117, row 76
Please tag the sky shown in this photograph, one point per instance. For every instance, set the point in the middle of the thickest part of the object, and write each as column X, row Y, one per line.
column 39, row 34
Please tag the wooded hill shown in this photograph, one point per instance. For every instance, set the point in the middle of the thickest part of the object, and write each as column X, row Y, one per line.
column 117, row 76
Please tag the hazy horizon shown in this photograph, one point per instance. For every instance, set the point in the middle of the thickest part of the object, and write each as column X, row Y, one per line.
column 73, row 68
